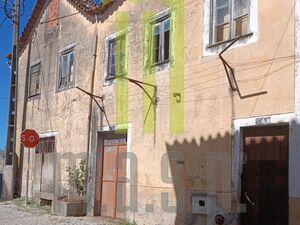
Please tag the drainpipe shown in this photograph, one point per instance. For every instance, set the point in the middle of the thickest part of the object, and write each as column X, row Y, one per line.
column 91, row 104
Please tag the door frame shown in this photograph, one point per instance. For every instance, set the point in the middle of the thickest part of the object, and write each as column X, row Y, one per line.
column 237, row 146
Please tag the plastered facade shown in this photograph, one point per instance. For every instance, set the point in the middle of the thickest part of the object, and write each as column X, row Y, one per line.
column 170, row 167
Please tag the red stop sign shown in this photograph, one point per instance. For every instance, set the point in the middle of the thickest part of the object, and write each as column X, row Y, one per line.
column 29, row 138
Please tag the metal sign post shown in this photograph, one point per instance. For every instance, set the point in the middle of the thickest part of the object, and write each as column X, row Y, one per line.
column 27, row 179
column 29, row 138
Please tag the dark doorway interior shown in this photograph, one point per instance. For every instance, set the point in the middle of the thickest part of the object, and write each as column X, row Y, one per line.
column 265, row 176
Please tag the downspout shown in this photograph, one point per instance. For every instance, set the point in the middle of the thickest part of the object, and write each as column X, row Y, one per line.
column 91, row 104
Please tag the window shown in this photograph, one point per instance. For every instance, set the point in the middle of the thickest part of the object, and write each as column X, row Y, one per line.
column 46, row 145
column 116, row 56
column 161, row 41
column 34, row 80
column 66, row 69
column 230, row 18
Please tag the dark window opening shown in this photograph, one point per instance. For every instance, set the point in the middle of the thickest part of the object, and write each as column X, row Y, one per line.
column 116, row 57
column 161, row 41
column 34, row 80
column 46, row 145
column 66, row 69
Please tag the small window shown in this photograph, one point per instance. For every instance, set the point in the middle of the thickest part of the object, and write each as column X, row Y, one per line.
column 230, row 18
column 66, row 69
column 34, row 80
column 116, row 56
column 161, row 41
column 46, row 145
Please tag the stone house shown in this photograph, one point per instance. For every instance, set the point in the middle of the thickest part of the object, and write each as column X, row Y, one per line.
column 186, row 111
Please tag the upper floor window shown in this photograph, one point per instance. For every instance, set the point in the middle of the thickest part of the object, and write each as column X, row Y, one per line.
column 230, row 18
column 116, row 56
column 34, row 80
column 161, row 40
column 66, row 68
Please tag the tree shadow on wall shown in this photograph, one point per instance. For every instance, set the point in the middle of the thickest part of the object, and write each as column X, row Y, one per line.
column 219, row 170
column 200, row 166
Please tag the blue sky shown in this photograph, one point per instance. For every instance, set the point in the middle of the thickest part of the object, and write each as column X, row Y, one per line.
column 5, row 47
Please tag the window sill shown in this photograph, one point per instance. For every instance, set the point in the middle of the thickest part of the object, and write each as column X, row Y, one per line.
column 109, row 80
column 160, row 63
column 228, row 41
column 157, row 67
column 65, row 88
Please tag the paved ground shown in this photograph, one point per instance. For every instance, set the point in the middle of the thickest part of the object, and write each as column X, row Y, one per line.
column 11, row 214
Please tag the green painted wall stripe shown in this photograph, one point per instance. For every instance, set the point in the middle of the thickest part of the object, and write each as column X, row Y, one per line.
column 121, row 87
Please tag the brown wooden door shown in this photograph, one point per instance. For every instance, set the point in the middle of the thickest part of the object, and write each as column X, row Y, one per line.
column 113, row 179
column 265, row 176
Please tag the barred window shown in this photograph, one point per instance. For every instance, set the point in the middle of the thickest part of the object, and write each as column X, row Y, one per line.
column 230, row 18
column 46, row 145
column 34, row 80
column 66, row 68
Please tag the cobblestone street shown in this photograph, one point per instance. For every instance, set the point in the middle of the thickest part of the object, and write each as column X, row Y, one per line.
column 14, row 215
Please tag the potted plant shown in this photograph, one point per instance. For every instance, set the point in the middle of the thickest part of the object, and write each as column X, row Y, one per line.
column 73, row 204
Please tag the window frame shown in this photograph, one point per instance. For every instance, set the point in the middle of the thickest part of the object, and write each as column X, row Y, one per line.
column 69, row 84
column 43, row 151
column 109, row 43
column 30, row 84
column 160, row 21
column 122, row 33
column 212, row 26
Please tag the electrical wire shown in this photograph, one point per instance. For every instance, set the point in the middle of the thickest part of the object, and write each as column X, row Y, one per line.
column 3, row 21
column 7, row 13
column 59, row 18
column 258, row 63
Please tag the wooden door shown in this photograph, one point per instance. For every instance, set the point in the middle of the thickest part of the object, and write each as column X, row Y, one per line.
column 44, row 165
column 113, row 178
column 265, row 176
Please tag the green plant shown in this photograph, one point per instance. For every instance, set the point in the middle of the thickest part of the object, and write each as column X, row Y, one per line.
column 77, row 176
column 127, row 222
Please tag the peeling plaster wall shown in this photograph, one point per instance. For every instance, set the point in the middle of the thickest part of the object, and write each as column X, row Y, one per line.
column 63, row 112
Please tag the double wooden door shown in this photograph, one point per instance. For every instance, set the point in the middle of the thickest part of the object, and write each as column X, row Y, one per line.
column 265, row 176
column 113, row 182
